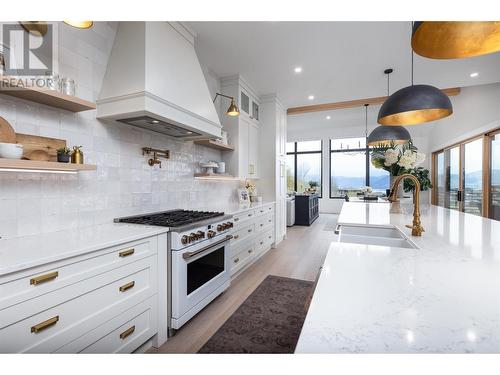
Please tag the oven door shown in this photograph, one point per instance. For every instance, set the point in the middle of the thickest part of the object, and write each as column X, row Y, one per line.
column 197, row 272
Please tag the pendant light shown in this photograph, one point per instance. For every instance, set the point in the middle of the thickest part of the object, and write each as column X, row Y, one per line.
column 383, row 136
column 455, row 40
column 80, row 24
column 415, row 104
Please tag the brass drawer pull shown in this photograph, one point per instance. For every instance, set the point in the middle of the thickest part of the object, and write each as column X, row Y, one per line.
column 44, row 325
column 127, row 286
column 44, row 278
column 236, row 219
column 270, row 237
column 236, row 260
column 269, row 220
column 261, row 242
column 249, row 215
column 261, row 225
column 127, row 333
column 250, row 251
column 236, row 237
column 126, row 253
column 249, row 231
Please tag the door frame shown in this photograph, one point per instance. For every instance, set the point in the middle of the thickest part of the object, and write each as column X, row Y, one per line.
column 486, row 168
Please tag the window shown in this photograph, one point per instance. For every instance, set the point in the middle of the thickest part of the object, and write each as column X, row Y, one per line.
column 351, row 169
column 465, row 176
column 303, row 163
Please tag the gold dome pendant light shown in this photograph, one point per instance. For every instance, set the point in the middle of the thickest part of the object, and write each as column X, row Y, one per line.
column 455, row 40
column 384, row 136
column 415, row 104
column 233, row 109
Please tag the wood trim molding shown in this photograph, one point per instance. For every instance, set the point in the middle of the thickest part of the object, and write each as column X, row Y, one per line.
column 352, row 103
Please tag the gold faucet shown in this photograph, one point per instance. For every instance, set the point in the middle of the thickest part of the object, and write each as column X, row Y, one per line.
column 416, row 227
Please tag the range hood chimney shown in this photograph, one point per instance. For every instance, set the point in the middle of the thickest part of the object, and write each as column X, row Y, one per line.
column 154, row 81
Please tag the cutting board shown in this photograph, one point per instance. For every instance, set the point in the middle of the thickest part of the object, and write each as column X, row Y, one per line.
column 33, row 143
column 7, row 134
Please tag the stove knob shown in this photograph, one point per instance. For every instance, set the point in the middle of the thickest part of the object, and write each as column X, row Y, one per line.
column 220, row 228
column 200, row 234
column 211, row 234
column 185, row 240
column 230, row 224
column 225, row 226
column 192, row 237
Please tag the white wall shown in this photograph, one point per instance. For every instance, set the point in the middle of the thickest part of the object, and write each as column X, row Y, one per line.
column 123, row 184
column 344, row 123
column 476, row 110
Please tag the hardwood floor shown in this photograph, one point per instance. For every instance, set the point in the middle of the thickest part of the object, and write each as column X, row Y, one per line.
column 299, row 256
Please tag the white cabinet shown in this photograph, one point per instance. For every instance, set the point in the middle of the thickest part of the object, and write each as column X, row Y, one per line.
column 253, row 235
column 105, row 301
column 243, row 131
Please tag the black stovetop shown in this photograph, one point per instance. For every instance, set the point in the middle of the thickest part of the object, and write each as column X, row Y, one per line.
column 174, row 218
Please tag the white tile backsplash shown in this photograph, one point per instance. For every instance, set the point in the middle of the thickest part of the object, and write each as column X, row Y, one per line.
column 124, row 184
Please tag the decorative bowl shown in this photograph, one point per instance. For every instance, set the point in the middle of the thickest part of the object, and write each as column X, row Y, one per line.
column 11, row 151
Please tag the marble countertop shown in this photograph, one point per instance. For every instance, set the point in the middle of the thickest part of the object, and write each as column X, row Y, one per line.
column 30, row 251
column 441, row 298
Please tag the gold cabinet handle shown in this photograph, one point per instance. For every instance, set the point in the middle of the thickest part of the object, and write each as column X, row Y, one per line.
column 127, row 333
column 236, row 260
column 261, row 242
column 261, row 225
column 126, row 253
column 44, row 325
column 249, row 231
column 250, row 251
column 249, row 215
column 44, row 278
column 127, row 286
column 236, row 219
column 270, row 237
column 236, row 237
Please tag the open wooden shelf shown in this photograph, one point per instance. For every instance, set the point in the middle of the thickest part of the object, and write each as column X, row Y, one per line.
column 215, row 177
column 215, row 144
column 51, row 98
column 43, row 166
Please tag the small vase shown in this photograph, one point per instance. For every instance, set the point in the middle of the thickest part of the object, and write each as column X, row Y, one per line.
column 64, row 158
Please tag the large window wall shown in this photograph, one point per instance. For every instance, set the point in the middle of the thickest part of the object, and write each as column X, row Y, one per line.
column 351, row 169
column 304, row 161
column 466, row 176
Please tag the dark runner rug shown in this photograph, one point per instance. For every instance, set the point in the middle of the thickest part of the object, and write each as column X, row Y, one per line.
column 269, row 321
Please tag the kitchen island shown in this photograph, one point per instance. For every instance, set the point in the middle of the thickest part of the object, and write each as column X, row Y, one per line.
column 443, row 297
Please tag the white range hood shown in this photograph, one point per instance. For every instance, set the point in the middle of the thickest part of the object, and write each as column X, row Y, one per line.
column 154, row 81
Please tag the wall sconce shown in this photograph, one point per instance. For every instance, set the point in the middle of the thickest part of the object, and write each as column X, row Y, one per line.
column 233, row 110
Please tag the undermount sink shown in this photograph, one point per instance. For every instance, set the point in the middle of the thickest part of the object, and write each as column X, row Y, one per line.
column 374, row 236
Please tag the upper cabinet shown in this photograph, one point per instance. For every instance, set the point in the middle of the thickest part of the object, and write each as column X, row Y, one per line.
column 243, row 130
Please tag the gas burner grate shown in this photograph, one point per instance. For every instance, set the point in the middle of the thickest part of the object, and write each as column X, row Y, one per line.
column 174, row 218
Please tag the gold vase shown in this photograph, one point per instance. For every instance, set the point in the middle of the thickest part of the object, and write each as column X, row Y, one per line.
column 77, row 155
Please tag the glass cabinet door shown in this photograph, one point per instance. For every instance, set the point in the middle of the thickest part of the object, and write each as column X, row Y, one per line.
column 255, row 111
column 245, row 103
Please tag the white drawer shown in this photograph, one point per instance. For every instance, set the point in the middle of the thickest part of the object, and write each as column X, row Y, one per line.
column 243, row 234
column 264, row 222
column 76, row 308
column 44, row 279
column 122, row 334
column 241, row 259
column 242, row 217
column 264, row 210
column 247, row 246
column 264, row 241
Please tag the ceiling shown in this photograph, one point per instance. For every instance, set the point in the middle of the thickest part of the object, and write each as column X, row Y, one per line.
column 340, row 60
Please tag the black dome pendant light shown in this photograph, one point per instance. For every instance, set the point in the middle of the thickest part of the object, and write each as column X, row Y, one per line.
column 455, row 40
column 415, row 104
column 383, row 136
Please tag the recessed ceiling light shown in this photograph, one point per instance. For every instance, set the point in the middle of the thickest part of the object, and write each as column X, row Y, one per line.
column 475, row 74
column 310, row 97
column 298, row 69
column 155, row 121
column 328, row 117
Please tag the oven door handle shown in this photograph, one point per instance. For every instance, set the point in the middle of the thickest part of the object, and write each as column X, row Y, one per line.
column 191, row 254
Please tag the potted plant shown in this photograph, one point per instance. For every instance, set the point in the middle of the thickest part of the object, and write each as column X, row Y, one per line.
column 63, row 155
column 400, row 159
column 313, row 186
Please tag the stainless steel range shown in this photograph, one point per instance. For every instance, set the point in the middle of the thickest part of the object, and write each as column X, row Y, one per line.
column 198, row 254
